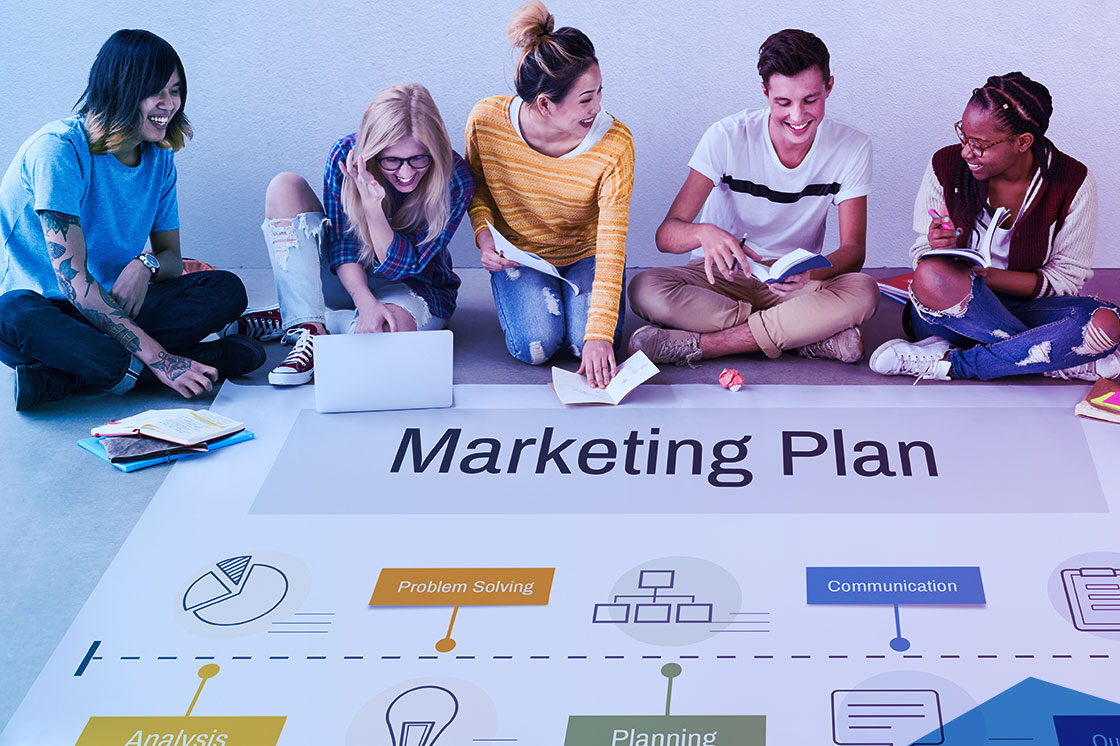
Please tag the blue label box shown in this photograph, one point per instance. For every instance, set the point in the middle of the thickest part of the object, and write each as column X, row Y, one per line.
column 1087, row 730
column 924, row 586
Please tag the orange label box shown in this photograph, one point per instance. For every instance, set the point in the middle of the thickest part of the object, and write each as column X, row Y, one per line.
column 196, row 731
column 487, row 586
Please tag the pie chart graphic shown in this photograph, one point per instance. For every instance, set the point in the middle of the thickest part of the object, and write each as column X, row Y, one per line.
column 237, row 591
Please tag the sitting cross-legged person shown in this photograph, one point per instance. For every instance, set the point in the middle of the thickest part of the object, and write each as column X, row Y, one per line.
column 760, row 185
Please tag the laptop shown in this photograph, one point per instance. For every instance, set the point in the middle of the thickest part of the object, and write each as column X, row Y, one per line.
column 373, row 372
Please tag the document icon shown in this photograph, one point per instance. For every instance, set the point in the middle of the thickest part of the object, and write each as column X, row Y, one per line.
column 886, row 717
column 1093, row 594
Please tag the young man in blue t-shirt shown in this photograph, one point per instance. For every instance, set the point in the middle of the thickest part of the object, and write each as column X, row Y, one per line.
column 82, row 301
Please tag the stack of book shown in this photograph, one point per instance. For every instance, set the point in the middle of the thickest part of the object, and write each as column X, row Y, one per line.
column 159, row 436
column 1102, row 402
column 897, row 288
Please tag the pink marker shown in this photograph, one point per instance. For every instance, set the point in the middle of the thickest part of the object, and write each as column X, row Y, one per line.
column 946, row 223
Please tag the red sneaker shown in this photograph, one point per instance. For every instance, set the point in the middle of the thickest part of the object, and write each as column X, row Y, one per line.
column 299, row 365
column 263, row 324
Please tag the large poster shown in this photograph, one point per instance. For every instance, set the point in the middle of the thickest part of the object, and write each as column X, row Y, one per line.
column 785, row 565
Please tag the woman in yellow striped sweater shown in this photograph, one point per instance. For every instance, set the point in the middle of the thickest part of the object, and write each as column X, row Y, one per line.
column 553, row 175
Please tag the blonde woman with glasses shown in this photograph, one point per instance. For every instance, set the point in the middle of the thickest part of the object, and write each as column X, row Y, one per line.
column 393, row 195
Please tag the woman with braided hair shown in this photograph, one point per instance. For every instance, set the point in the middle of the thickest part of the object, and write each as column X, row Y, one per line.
column 1022, row 314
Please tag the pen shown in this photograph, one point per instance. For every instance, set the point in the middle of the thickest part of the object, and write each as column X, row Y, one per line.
column 945, row 224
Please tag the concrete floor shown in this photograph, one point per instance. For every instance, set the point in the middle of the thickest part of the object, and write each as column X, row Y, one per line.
column 64, row 515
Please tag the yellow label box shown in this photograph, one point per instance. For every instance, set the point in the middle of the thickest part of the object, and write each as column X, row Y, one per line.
column 487, row 586
column 182, row 731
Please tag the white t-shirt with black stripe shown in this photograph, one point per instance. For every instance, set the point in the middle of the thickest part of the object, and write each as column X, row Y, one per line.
column 780, row 209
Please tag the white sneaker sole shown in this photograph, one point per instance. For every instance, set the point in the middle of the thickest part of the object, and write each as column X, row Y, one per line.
column 289, row 378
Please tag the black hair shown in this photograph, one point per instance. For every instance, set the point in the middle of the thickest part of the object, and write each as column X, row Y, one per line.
column 552, row 61
column 1020, row 105
column 131, row 65
column 791, row 51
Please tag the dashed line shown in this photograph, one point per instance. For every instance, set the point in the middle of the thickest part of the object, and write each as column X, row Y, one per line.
column 543, row 657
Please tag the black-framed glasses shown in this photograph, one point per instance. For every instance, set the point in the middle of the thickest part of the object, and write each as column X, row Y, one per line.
column 418, row 162
column 978, row 146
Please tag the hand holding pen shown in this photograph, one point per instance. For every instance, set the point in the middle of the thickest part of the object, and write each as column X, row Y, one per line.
column 942, row 233
column 722, row 251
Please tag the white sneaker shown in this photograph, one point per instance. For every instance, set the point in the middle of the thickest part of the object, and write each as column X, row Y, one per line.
column 1105, row 367
column 922, row 359
column 299, row 365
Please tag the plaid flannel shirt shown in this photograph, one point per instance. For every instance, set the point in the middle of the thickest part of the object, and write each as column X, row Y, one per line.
column 424, row 266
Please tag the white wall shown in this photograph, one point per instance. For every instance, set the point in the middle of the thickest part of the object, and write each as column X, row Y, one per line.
column 274, row 84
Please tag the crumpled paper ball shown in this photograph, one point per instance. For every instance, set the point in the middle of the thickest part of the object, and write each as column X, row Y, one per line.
column 730, row 379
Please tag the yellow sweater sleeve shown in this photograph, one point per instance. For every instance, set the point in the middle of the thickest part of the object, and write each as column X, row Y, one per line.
column 610, row 244
column 482, row 207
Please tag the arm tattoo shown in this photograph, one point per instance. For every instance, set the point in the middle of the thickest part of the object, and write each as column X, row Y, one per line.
column 66, row 273
column 58, row 222
column 57, row 250
column 115, row 330
column 172, row 366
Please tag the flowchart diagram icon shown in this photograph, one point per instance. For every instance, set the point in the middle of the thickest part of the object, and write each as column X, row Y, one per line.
column 237, row 591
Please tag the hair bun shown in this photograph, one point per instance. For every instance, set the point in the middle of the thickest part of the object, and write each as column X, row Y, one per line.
column 531, row 22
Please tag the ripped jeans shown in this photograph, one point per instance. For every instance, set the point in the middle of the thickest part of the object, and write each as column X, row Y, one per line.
column 540, row 314
column 306, row 287
column 997, row 335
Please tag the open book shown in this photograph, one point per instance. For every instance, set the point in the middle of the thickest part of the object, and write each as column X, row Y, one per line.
column 793, row 263
column 186, row 427
column 572, row 388
column 981, row 254
column 526, row 258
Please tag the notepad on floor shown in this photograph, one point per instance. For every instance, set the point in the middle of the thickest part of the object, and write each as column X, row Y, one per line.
column 572, row 388
column 187, row 427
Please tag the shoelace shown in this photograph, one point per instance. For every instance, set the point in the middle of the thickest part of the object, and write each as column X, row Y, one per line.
column 301, row 354
column 261, row 322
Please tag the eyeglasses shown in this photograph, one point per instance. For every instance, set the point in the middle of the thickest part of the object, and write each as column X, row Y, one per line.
column 418, row 162
column 978, row 146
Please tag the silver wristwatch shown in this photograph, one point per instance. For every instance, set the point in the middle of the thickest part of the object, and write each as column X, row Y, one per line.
column 150, row 261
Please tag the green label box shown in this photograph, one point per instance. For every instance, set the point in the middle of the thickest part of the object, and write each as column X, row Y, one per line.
column 666, row 730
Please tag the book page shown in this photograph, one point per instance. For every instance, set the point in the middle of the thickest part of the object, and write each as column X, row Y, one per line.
column 573, row 388
column 189, row 427
column 526, row 258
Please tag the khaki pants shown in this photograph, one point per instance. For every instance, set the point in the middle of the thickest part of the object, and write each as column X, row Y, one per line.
column 681, row 298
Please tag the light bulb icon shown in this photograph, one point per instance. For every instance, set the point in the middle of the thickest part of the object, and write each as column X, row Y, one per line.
column 419, row 716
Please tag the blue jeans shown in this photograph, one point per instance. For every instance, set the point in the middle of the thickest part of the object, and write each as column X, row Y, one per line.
column 540, row 314
column 996, row 335
column 178, row 313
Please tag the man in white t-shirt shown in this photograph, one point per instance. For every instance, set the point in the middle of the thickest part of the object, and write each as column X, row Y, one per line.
column 760, row 185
